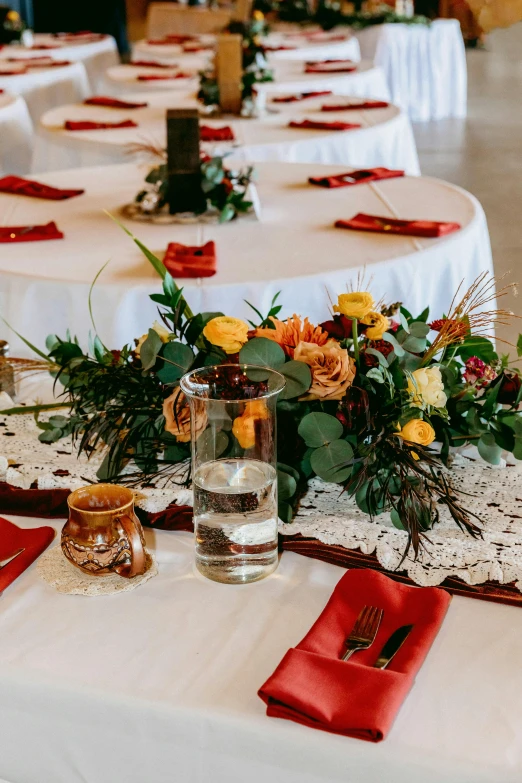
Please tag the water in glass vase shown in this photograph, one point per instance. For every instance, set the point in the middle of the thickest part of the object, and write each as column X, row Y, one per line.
column 236, row 523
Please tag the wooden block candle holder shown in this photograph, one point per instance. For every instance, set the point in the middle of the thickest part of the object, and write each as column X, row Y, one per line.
column 183, row 162
column 229, row 70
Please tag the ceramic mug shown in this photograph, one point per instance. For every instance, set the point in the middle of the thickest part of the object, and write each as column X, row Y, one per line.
column 103, row 535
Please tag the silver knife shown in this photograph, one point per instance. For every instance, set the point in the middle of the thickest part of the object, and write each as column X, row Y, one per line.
column 9, row 559
column 392, row 646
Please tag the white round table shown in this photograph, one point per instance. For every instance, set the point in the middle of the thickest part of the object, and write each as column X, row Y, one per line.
column 125, row 78
column 384, row 139
column 16, row 135
column 425, row 67
column 44, row 88
column 294, row 248
column 97, row 55
column 145, row 49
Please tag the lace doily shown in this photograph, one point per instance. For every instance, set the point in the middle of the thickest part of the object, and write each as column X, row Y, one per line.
column 54, row 568
column 495, row 495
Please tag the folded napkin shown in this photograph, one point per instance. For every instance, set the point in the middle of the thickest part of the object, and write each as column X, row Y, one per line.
column 47, row 64
column 81, row 125
column 13, row 538
column 149, row 77
column 150, row 64
column 160, row 42
column 43, row 47
column 355, row 177
column 225, row 133
column 186, row 261
column 318, row 125
column 331, row 66
column 179, row 38
column 300, row 96
column 30, row 233
column 113, row 103
column 359, row 105
column 28, row 187
column 279, row 48
column 386, row 225
column 314, row 687
column 13, row 71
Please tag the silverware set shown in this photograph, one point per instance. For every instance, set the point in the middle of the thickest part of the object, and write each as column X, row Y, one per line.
column 363, row 634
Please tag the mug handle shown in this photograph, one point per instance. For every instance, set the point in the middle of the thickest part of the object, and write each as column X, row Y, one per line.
column 138, row 557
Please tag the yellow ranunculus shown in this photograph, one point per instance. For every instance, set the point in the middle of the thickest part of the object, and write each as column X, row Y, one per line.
column 244, row 427
column 418, row 431
column 427, row 388
column 355, row 305
column 163, row 333
column 258, row 16
column 377, row 324
column 227, row 333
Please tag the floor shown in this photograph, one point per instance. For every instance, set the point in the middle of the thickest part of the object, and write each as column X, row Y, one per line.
column 483, row 153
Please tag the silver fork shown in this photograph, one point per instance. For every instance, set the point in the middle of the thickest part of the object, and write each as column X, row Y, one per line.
column 364, row 631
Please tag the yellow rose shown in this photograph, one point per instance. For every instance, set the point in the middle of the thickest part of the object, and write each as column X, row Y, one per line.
column 426, row 387
column 244, row 427
column 377, row 325
column 163, row 333
column 355, row 305
column 227, row 333
column 418, row 431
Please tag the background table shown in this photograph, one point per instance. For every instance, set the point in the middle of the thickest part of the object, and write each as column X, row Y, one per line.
column 294, row 249
column 290, row 76
column 165, row 18
column 43, row 88
column 96, row 56
column 384, row 139
column 124, row 78
column 16, row 135
column 160, row 684
column 425, row 67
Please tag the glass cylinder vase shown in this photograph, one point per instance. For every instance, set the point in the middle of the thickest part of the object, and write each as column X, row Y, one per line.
column 234, row 476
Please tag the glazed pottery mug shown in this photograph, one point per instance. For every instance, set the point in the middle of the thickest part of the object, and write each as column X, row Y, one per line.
column 103, row 535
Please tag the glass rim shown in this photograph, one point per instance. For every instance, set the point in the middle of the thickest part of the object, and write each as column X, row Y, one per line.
column 191, row 392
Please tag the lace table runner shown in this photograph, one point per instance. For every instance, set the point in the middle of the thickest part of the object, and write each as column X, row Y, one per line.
column 325, row 513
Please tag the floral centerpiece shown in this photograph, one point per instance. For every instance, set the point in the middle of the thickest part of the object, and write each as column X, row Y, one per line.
column 368, row 393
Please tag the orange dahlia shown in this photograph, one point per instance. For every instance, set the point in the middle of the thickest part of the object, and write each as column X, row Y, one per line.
column 288, row 334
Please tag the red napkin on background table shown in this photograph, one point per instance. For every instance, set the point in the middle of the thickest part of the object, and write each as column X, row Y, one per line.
column 331, row 66
column 113, row 103
column 225, row 133
column 149, row 77
column 30, row 233
column 360, row 175
column 301, row 96
column 150, row 64
column 12, row 539
column 28, row 187
column 279, row 48
column 17, row 72
column 47, row 63
column 179, row 38
column 318, row 125
column 314, row 687
column 80, row 125
column 186, row 261
column 385, row 225
column 360, row 105
column 43, row 47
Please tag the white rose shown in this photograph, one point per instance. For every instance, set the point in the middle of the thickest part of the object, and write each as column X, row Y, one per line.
column 427, row 388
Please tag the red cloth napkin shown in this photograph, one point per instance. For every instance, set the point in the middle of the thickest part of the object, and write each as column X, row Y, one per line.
column 47, row 63
column 13, row 72
column 301, row 96
column 186, row 261
column 12, row 539
column 43, row 47
column 386, row 225
column 179, row 38
column 28, row 187
column 331, row 66
column 279, row 48
column 318, row 125
column 113, row 103
column 360, row 105
column 225, row 133
column 314, row 687
column 150, row 64
column 30, row 233
column 360, row 176
column 149, row 77
column 80, row 125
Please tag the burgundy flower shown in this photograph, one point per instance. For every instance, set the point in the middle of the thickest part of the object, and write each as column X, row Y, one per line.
column 383, row 346
column 509, row 388
column 339, row 327
column 479, row 372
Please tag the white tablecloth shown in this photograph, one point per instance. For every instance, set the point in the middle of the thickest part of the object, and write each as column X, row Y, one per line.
column 294, row 249
column 16, row 136
column 384, row 139
column 160, row 685
column 44, row 88
column 165, row 18
column 124, row 78
column 425, row 66
column 290, row 76
column 97, row 56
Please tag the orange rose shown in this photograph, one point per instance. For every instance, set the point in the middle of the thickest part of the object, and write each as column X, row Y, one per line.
column 177, row 416
column 333, row 370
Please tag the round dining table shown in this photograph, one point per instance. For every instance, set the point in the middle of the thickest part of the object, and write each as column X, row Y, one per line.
column 96, row 51
column 383, row 137
column 16, row 135
column 292, row 247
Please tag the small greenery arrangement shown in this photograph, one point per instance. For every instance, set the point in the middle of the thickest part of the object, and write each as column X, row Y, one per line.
column 367, row 394
column 330, row 15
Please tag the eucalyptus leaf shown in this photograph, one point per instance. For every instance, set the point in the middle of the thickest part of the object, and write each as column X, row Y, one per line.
column 330, row 462
column 150, row 349
column 286, row 485
column 285, row 512
column 212, row 443
column 298, row 379
column 318, row 429
column 399, row 350
column 488, row 449
column 419, row 329
column 396, row 520
column 404, row 322
column 50, row 435
column 177, row 360
column 263, row 352
column 414, row 344
column 375, row 374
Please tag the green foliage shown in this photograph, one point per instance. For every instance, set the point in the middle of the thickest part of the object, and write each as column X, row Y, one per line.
column 262, row 351
column 319, row 429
